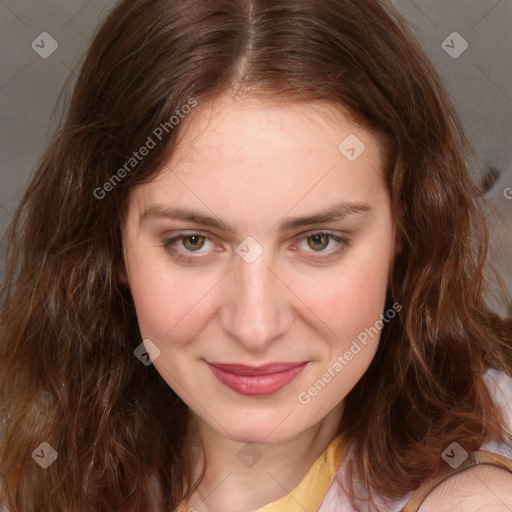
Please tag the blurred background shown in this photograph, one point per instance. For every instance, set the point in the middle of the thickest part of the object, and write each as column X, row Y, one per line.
column 469, row 42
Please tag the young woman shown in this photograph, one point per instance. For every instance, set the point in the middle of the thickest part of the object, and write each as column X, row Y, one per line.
column 248, row 275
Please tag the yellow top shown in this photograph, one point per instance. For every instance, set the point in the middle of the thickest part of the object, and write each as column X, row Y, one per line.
column 311, row 491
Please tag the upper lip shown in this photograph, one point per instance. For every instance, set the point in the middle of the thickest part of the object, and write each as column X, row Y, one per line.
column 241, row 369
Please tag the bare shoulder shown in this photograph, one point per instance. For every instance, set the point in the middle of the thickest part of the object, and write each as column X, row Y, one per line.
column 484, row 488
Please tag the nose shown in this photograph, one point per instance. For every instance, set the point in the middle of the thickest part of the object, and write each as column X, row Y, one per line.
column 256, row 308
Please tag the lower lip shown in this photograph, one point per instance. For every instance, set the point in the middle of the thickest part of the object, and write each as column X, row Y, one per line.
column 254, row 385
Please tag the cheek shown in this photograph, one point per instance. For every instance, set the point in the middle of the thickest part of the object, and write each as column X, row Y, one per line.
column 163, row 302
column 147, row 291
column 349, row 299
column 155, row 307
column 351, row 309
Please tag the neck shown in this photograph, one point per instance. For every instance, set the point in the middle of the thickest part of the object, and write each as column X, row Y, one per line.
column 236, row 480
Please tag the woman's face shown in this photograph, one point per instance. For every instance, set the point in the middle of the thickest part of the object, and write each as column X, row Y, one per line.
column 266, row 239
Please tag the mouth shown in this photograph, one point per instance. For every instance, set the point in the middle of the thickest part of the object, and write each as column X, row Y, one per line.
column 256, row 380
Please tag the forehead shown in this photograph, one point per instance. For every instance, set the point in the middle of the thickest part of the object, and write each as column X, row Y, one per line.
column 236, row 128
column 232, row 153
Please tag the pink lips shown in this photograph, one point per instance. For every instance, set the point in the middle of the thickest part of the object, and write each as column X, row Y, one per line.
column 260, row 380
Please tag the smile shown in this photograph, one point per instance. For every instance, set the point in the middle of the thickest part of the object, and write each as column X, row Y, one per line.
column 254, row 381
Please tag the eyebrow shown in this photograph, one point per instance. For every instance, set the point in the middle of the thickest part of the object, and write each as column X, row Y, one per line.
column 335, row 212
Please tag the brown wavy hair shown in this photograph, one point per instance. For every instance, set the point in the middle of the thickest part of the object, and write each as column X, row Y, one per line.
column 68, row 375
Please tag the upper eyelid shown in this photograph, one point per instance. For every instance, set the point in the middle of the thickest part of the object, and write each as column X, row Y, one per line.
column 300, row 236
column 209, row 236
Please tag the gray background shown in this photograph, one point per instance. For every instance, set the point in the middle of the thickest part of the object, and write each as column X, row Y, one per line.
column 479, row 81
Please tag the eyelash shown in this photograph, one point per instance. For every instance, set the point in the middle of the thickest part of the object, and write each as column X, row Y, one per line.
column 343, row 243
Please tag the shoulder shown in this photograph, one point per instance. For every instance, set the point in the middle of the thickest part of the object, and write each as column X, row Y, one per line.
column 482, row 488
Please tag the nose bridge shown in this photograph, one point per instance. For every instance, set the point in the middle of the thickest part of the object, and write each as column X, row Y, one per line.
column 256, row 312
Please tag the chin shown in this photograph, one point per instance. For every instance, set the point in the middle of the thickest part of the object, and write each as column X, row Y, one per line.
column 256, row 436
column 262, row 429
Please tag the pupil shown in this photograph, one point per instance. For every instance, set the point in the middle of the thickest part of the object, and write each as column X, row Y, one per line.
column 317, row 239
column 193, row 241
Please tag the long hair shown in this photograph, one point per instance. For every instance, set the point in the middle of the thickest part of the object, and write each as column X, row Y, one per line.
column 68, row 374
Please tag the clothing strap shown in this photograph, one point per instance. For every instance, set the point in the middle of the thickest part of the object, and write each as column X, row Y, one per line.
column 473, row 459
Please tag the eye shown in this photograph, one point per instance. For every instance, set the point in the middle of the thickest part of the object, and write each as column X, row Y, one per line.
column 184, row 246
column 188, row 243
column 320, row 240
column 193, row 242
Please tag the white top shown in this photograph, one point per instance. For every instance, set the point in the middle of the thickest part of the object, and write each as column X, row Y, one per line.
column 500, row 388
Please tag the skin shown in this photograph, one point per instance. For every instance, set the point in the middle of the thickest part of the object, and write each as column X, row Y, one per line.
column 253, row 165
column 483, row 488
